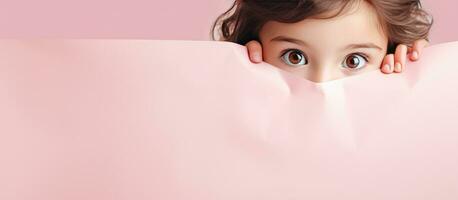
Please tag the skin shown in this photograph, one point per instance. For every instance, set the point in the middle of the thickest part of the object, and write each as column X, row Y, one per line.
column 319, row 53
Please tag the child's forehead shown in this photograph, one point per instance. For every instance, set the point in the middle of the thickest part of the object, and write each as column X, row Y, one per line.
column 357, row 23
column 364, row 18
column 361, row 15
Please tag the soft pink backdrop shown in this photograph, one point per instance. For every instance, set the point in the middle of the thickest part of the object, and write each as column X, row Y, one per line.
column 149, row 19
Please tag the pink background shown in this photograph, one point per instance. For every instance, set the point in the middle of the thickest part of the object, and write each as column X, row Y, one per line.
column 150, row 19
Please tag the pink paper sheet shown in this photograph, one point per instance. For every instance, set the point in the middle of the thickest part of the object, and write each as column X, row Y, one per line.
column 195, row 120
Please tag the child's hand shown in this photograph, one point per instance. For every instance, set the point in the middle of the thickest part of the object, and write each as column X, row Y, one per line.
column 397, row 61
column 254, row 51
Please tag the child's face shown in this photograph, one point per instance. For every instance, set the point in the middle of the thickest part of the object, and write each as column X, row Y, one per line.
column 331, row 48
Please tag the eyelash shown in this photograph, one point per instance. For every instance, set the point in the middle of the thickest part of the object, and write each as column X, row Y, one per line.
column 287, row 50
column 366, row 57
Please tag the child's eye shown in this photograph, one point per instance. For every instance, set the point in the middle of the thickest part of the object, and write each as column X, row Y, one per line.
column 355, row 61
column 294, row 57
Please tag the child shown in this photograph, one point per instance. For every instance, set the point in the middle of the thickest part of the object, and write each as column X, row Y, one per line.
column 323, row 40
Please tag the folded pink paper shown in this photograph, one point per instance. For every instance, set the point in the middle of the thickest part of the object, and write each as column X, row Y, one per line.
column 196, row 120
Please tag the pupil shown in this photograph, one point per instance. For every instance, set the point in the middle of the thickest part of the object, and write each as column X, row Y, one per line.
column 295, row 58
column 353, row 62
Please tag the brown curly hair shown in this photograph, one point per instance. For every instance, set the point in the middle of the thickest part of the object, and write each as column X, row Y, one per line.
column 403, row 21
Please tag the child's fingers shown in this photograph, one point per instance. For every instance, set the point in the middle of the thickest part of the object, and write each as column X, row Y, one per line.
column 388, row 64
column 254, row 51
column 400, row 58
column 417, row 49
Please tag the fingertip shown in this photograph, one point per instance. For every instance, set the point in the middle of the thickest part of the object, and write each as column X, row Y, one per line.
column 414, row 55
column 386, row 69
column 397, row 67
column 390, row 63
column 411, row 58
column 256, row 58
column 401, row 68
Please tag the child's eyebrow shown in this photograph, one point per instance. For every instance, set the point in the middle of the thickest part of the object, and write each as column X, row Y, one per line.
column 367, row 45
column 288, row 39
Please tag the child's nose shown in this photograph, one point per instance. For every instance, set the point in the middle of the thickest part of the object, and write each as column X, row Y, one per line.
column 321, row 74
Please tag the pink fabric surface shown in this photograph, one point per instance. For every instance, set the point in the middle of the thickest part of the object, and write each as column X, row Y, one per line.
column 176, row 120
